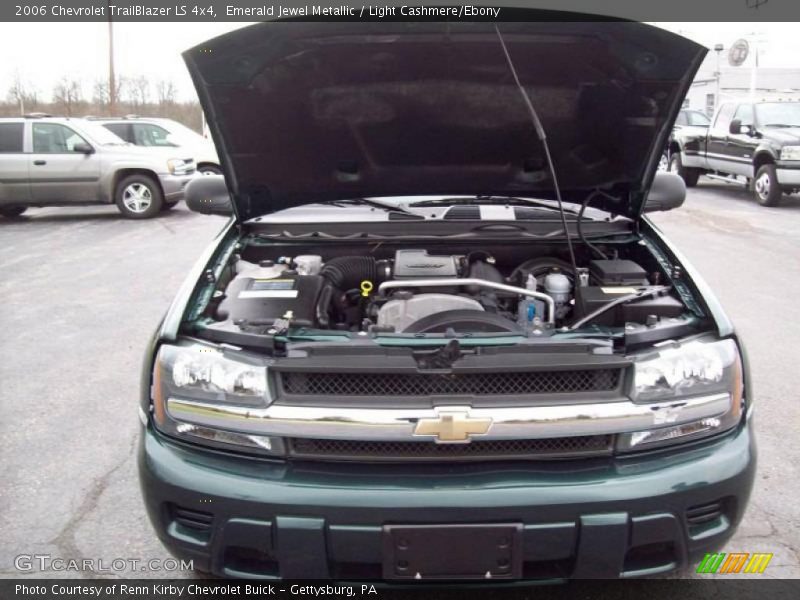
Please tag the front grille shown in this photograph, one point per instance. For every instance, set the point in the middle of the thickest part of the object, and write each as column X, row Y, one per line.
column 433, row 384
column 344, row 450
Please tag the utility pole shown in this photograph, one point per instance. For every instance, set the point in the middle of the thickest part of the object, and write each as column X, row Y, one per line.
column 757, row 39
column 112, row 88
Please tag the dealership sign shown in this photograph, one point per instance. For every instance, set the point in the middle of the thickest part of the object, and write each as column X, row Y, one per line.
column 738, row 52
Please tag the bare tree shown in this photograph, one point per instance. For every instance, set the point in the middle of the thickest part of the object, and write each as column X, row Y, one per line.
column 22, row 94
column 100, row 93
column 100, row 96
column 166, row 93
column 67, row 95
column 139, row 91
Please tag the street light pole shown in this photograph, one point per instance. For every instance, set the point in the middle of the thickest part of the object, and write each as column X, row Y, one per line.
column 754, row 76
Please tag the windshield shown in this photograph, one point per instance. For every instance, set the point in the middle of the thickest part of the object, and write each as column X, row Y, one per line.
column 778, row 114
column 697, row 119
column 101, row 135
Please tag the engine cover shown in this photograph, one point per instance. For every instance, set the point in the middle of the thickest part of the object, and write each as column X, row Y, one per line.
column 418, row 264
column 401, row 313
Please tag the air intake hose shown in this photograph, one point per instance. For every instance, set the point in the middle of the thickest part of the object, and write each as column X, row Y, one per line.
column 347, row 272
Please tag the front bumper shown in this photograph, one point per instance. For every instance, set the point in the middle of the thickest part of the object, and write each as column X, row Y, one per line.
column 600, row 518
column 175, row 185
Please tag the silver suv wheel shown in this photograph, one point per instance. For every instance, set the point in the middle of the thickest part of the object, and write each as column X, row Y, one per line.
column 137, row 197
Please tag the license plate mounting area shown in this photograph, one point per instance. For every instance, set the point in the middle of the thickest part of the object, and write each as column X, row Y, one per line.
column 452, row 551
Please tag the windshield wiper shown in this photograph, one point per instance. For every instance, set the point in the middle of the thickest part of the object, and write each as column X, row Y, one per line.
column 506, row 200
column 392, row 208
column 780, row 125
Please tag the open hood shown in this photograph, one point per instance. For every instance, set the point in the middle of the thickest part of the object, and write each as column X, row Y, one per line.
column 304, row 111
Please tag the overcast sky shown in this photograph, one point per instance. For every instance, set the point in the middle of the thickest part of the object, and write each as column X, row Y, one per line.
column 42, row 53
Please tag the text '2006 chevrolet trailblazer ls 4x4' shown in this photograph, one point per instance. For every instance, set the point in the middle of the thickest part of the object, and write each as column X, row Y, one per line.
column 439, row 339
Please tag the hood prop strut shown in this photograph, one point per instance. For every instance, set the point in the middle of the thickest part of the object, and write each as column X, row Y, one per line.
column 537, row 125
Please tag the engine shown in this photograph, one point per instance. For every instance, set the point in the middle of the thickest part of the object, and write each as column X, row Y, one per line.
column 419, row 292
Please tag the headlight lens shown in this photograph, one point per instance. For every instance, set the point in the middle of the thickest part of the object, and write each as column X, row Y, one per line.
column 790, row 153
column 698, row 368
column 691, row 369
column 209, row 371
column 177, row 166
column 210, row 375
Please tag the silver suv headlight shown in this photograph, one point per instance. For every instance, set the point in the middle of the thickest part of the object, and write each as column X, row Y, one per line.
column 178, row 166
column 210, row 376
column 681, row 372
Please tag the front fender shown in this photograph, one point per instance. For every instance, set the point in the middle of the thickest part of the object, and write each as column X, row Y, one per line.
column 765, row 152
column 700, row 289
column 175, row 314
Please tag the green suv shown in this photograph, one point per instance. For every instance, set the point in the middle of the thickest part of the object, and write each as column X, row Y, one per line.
column 439, row 338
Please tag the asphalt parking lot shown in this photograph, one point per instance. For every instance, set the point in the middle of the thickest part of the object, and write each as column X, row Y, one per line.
column 83, row 289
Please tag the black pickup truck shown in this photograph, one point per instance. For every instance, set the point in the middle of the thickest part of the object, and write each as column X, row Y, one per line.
column 758, row 143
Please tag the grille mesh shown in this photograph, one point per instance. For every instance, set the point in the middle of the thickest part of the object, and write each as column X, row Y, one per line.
column 432, row 384
column 564, row 447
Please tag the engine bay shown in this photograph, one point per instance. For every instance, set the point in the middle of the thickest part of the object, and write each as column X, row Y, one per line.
column 420, row 291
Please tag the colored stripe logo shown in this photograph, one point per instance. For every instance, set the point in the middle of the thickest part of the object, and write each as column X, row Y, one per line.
column 735, row 562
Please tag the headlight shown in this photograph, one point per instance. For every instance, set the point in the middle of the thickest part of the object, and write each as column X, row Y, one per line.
column 790, row 153
column 177, row 166
column 209, row 371
column 212, row 376
column 687, row 371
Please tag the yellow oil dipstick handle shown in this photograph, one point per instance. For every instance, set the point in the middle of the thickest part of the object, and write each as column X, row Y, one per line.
column 366, row 288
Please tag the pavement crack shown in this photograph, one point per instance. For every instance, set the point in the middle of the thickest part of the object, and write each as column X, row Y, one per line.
column 165, row 226
column 65, row 540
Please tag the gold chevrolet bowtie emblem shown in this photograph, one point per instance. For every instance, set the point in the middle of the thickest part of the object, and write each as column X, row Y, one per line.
column 453, row 426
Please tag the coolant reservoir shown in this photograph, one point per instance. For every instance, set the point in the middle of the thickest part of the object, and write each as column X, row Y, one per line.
column 266, row 269
column 308, row 264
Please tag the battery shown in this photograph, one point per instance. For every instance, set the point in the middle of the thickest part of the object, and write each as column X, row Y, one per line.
column 590, row 298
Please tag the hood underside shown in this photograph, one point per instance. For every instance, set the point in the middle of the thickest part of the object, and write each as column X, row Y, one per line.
column 306, row 112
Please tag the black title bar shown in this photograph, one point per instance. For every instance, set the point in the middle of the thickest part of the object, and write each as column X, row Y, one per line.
column 500, row 10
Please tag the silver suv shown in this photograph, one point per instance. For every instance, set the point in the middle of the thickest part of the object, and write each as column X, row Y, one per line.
column 50, row 161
